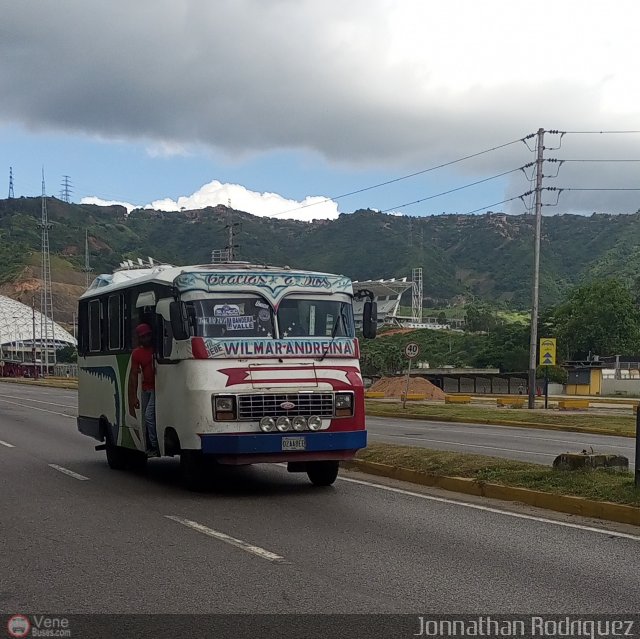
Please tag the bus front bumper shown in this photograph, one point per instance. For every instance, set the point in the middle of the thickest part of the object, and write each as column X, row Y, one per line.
column 281, row 447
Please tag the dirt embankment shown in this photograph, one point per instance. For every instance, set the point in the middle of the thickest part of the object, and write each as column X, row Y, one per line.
column 395, row 387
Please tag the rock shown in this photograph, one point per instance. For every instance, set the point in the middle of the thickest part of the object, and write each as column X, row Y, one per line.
column 577, row 461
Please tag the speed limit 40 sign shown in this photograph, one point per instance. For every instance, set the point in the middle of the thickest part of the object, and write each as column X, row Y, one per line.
column 411, row 350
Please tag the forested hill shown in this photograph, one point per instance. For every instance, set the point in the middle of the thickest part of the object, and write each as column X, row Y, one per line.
column 487, row 256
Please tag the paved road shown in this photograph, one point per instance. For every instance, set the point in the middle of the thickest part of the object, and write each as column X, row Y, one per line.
column 526, row 444
column 78, row 537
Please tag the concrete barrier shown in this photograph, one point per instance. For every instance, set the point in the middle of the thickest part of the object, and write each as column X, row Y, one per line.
column 573, row 404
column 374, row 395
column 415, row 397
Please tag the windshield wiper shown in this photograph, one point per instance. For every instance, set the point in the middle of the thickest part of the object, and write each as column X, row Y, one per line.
column 334, row 332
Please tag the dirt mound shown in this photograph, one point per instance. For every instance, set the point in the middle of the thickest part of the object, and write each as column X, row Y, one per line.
column 395, row 387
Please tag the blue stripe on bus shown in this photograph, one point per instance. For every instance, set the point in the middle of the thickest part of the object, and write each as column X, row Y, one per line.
column 272, row 442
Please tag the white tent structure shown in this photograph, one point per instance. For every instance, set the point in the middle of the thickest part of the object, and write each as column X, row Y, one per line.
column 387, row 294
column 18, row 331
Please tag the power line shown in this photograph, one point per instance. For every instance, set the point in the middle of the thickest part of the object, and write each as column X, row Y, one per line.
column 403, row 177
column 488, row 206
column 598, row 132
column 558, row 188
column 459, row 188
column 595, row 160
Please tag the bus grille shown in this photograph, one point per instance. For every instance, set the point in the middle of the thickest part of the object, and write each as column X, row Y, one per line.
column 255, row 407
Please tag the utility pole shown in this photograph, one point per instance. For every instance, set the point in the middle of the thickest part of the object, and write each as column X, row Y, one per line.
column 533, row 346
column 231, row 230
column 46, row 297
column 33, row 337
column 87, row 266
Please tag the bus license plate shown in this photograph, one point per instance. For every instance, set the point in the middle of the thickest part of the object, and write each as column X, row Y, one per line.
column 294, row 443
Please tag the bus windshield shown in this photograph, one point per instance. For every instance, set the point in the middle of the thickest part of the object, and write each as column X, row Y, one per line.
column 298, row 317
column 234, row 317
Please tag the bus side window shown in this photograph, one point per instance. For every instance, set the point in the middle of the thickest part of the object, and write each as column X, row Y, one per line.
column 95, row 326
column 83, row 328
column 115, row 323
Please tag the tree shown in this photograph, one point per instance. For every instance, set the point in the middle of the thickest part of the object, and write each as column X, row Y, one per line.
column 67, row 355
column 506, row 348
column 480, row 317
column 599, row 318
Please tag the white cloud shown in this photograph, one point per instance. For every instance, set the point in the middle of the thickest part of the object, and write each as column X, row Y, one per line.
column 241, row 199
column 100, row 202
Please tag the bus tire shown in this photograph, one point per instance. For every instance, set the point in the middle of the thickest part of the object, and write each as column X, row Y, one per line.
column 323, row 473
column 191, row 469
column 117, row 457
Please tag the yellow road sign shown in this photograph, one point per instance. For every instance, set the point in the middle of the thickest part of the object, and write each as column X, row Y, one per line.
column 548, row 351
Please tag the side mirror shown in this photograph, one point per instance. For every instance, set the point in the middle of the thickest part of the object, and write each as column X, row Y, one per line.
column 370, row 319
column 177, row 323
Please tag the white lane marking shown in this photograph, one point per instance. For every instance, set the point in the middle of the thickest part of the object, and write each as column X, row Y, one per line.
column 439, row 441
column 238, row 543
column 498, row 511
column 43, row 410
column 66, row 471
column 38, row 401
column 7, row 444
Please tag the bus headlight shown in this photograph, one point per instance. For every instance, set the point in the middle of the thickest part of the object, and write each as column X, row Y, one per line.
column 315, row 423
column 267, row 424
column 283, row 424
column 299, row 423
column 344, row 404
column 224, row 408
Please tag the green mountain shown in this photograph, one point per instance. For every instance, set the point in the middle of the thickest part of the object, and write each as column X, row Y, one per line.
column 485, row 256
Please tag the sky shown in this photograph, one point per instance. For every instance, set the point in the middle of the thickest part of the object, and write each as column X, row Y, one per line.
column 286, row 108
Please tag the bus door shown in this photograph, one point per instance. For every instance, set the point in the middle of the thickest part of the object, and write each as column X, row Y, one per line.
column 145, row 313
column 166, row 370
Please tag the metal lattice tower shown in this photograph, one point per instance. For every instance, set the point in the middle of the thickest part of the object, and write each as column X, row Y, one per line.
column 219, row 256
column 11, row 193
column 66, row 189
column 87, row 266
column 47, row 338
column 416, row 296
column 231, row 227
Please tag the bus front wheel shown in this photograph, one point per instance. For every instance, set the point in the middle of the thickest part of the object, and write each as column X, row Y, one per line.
column 323, row 473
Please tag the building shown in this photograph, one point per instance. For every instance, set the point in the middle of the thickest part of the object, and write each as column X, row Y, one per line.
column 613, row 375
column 387, row 294
column 20, row 338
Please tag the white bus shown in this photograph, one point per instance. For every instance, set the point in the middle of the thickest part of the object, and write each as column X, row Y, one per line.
column 252, row 364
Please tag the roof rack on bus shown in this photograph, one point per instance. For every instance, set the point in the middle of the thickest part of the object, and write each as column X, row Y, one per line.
column 128, row 265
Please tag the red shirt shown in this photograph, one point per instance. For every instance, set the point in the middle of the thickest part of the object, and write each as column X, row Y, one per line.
column 142, row 360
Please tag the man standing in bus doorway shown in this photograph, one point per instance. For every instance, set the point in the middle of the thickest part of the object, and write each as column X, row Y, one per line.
column 142, row 361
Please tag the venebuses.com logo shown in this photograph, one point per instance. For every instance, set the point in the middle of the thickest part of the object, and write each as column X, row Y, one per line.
column 20, row 626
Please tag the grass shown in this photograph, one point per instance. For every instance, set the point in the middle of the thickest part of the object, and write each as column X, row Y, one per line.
column 611, row 423
column 598, row 485
column 513, row 317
